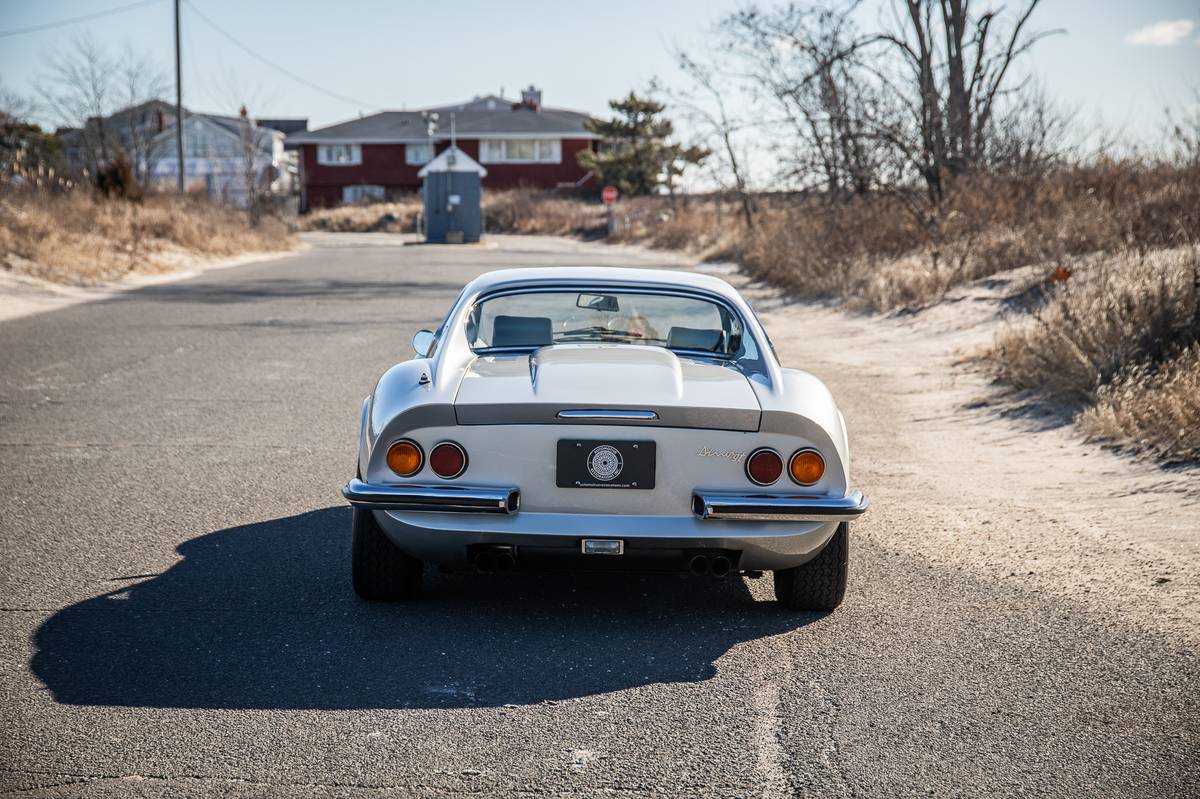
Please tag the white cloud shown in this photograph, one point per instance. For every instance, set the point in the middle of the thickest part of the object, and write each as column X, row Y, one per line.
column 1161, row 34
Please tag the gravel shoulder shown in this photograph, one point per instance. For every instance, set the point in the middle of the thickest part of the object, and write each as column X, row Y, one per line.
column 1007, row 492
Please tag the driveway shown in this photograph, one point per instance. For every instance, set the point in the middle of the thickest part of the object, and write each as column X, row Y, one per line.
column 178, row 620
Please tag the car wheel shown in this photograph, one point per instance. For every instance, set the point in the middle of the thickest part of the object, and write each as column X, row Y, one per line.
column 819, row 584
column 380, row 571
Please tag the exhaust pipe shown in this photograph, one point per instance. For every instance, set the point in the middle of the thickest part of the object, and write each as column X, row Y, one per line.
column 698, row 565
column 495, row 560
column 720, row 566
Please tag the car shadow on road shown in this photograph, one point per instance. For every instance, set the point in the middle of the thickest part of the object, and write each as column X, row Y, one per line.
column 262, row 616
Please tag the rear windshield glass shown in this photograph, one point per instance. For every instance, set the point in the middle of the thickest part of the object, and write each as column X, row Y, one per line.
column 540, row 319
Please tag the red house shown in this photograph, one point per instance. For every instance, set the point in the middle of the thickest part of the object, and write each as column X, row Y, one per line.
column 378, row 156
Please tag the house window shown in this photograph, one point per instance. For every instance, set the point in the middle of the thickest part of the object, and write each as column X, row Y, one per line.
column 418, row 154
column 339, row 154
column 364, row 192
column 520, row 151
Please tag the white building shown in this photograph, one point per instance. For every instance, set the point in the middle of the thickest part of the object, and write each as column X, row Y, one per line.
column 220, row 153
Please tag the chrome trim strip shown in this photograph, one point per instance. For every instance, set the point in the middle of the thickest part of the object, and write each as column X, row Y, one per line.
column 778, row 507
column 601, row 413
column 436, row 499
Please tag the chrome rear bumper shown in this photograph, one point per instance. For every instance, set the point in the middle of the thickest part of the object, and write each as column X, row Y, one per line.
column 438, row 499
column 778, row 507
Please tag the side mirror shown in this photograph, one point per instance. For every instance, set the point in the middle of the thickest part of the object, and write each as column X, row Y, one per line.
column 423, row 342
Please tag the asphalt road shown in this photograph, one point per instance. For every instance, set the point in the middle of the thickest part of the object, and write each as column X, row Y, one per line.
column 177, row 615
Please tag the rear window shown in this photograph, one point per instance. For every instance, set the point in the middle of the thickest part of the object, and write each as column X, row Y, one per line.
column 541, row 319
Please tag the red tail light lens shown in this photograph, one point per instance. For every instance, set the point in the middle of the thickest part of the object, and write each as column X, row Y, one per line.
column 448, row 460
column 764, row 466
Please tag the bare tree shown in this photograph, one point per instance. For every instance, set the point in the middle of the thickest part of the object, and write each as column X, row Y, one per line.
column 704, row 105
column 1029, row 135
column 140, row 82
column 14, row 106
column 806, row 64
column 254, row 178
column 959, row 66
column 101, row 100
column 249, row 139
column 923, row 102
column 1183, row 133
column 79, row 91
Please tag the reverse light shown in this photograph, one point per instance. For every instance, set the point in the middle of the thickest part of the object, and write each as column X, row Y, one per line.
column 405, row 458
column 448, row 460
column 806, row 466
column 764, row 466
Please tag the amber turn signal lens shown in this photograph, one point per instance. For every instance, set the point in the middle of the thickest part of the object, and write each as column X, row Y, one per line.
column 448, row 460
column 764, row 466
column 404, row 458
column 807, row 466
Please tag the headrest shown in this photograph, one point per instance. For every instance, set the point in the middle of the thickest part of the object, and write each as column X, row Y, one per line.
column 691, row 338
column 521, row 331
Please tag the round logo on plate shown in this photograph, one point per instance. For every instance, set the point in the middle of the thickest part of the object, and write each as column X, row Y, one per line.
column 604, row 462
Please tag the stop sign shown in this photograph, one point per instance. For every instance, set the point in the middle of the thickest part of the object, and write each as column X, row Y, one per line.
column 609, row 194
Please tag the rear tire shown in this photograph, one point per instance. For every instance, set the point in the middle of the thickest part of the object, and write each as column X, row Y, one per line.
column 380, row 572
column 819, row 584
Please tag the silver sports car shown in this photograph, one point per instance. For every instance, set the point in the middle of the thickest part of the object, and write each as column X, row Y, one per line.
column 589, row 418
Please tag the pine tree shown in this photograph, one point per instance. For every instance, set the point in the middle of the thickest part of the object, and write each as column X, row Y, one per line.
column 635, row 155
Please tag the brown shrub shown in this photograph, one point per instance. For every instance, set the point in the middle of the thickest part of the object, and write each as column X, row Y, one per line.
column 391, row 217
column 1122, row 312
column 80, row 236
column 876, row 253
column 1151, row 410
column 533, row 212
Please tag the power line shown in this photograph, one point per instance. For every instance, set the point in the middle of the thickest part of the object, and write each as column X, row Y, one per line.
column 84, row 18
column 250, row 52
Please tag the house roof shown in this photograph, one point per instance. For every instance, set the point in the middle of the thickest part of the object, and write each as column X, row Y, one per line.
column 396, row 127
column 285, row 125
column 453, row 159
column 231, row 126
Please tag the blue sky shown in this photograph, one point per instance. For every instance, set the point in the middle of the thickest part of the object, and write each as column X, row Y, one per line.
column 410, row 54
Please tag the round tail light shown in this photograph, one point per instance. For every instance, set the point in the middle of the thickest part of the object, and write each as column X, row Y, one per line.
column 807, row 466
column 764, row 466
column 405, row 458
column 448, row 460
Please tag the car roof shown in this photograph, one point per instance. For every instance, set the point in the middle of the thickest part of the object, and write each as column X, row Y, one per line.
column 610, row 275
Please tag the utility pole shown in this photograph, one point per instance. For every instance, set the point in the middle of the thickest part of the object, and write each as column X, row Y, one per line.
column 178, row 101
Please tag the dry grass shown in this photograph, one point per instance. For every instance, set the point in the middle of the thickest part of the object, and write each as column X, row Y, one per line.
column 1120, row 312
column 79, row 237
column 1152, row 410
column 1113, row 340
column 532, row 212
column 392, row 217
column 873, row 253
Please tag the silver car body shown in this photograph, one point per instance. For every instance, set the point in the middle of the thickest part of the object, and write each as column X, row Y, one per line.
column 509, row 410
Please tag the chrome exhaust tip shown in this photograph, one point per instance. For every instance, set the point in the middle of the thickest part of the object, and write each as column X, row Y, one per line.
column 720, row 566
column 698, row 565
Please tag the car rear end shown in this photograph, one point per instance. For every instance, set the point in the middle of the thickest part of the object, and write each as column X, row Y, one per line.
column 546, row 481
